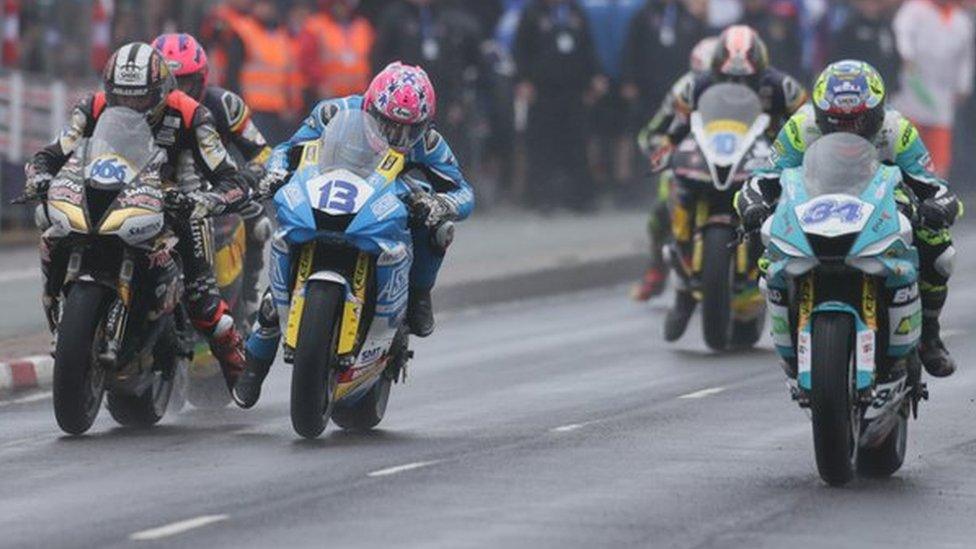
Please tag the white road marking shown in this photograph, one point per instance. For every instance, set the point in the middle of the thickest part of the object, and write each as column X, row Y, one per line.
column 24, row 400
column 567, row 428
column 177, row 527
column 401, row 468
column 19, row 275
column 704, row 393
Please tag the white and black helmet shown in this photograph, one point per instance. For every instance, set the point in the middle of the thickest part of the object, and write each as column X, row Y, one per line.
column 137, row 77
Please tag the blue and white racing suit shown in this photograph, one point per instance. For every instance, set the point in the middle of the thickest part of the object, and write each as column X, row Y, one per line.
column 431, row 155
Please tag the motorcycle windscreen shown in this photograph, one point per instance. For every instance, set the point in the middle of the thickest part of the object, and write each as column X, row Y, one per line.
column 839, row 163
column 121, row 146
column 351, row 150
column 352, row 141
column 730, row 116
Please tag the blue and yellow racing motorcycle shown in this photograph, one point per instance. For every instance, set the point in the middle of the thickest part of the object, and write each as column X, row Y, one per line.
column 344, row 217
column 842, row 290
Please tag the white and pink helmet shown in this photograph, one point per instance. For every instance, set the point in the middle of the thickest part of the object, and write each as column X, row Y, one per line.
column 403, row 101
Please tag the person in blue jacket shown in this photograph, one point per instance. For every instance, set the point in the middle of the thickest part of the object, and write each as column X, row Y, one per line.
column 403, row 102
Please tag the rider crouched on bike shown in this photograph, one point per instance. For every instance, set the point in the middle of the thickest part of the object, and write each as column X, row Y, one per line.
column 649, row 140
column 740, row 58
column 232, row 118
column 402, row 100
column 138, row 77
column 849, row 96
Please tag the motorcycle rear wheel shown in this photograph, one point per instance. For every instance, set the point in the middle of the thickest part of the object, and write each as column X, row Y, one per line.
column 148, row 408
column 313, row 378
column 368, row 411
column 143, row 410
column 833, row 401
column 886, row 458
column 79, row 383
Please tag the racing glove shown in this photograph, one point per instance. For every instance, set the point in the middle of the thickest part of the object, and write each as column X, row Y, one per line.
column 661, row 154
column 753, row 215
column 939, row 212
column 272, row 180
column 38, row 182
column 193, row 206
column 431, row 210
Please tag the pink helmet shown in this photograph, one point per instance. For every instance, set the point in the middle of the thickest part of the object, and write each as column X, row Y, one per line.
column 403, row 101
column 187, row 60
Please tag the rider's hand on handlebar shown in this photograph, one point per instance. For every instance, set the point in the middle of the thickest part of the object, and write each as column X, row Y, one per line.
column 271, row 182
column 430, row 210
column 193, row 206
column 37, row 183
column 938, row 213
column 754, row 215
column 661, row 155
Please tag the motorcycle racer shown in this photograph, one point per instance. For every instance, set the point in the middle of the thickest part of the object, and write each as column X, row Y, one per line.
column 849, row 96
column 649, row 139
column 137, row 77
column 402, row 100
column 232, row 117
column 740, row 57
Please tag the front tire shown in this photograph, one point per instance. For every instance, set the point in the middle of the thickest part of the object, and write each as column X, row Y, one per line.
column 79, row 383
column 313, row 374
column 833, row 401
column 716, row 278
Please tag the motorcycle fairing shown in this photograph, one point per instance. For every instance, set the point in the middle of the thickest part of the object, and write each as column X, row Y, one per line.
column 379, row 229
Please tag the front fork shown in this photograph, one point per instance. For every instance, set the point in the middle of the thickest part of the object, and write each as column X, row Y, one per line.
column 350, row 329
column 689, row 249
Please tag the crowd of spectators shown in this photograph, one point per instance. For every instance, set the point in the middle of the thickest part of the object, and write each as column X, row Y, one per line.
column 541, row 98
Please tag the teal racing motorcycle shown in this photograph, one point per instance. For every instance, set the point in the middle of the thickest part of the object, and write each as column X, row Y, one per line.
column 344, row 215
column 842, row 289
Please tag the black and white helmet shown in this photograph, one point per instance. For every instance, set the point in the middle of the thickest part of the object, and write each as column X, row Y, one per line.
column 138, row 77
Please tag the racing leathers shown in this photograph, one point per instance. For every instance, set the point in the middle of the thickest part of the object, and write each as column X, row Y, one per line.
column 246, row 144
column 431, row 155
column 650, row 140
column 184, row 128
column 781, row 95
column 898, row 143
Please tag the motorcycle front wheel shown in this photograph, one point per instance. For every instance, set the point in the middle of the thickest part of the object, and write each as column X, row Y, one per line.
column 833, row 398
column 313, row 378
column 79, row 382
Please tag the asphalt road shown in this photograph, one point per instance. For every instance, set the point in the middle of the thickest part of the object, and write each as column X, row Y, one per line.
column 559, row 422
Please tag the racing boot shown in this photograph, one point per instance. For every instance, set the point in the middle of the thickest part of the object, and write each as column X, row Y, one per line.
column 420, row 312
column 228, row 348
column 247, row 391
column 676, row 321
column 651, row 285
column 935, row 357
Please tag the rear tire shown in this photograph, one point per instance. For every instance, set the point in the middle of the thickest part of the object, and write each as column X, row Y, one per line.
column 144, row 410
column 716, row 278
column 886, row 458
column 368, row 411
column 313, row 374
column 79, row 383
column 149, row 407
column 833, row 407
